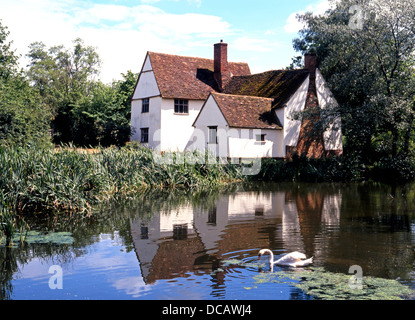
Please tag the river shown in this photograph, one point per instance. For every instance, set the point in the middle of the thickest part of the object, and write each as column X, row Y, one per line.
column 204, row 246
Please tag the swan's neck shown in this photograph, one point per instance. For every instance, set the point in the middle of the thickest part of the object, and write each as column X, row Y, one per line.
column 271, row 256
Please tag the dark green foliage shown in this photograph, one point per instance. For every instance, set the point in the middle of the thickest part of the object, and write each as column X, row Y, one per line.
column 104, row 118
column 23, row 116
column 64, row 78
column 398, row 169
column 303, row 169
column 86, row 111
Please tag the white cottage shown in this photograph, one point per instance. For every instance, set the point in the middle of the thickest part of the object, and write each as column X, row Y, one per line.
column 170, row 93
column 183, row 103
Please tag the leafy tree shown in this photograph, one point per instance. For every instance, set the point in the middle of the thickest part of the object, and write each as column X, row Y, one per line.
column 296, row 63
column 366, row 52
column 105, row 117
column 117, row 121
column 64, row 78
column 8, row 59
column 23, row 116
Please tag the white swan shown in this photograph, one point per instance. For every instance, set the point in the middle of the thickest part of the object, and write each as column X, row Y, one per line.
column 293, row 259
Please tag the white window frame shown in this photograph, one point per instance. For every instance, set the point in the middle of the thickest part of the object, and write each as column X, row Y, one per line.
column 212, row 134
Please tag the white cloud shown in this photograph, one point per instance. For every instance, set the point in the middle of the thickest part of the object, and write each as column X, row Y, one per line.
column 253, row 44
column 292, row 24
column 134, row 286
column 121, row 34
column 100, row 12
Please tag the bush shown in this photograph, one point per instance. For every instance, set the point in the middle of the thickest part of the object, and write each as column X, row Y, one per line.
column 398, row 169
column 303, row 169
column 23, row 117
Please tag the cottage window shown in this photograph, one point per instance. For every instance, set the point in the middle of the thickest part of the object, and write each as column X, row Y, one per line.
column 144, row 135
column 260, row 138
column 144, row 231
column 212, row 216
column 181, row 106
column 180, row 231
column 259, row 211
column 213, row 135
column 145, row 105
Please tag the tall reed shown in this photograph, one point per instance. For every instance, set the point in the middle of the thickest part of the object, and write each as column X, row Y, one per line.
column 10, row 223
column 66, row 179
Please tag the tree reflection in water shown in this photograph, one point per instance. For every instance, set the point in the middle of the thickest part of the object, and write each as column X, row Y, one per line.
column 178, row 234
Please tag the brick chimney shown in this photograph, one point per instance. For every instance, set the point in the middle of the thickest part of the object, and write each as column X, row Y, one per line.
column 310, row 63
column 221, row 68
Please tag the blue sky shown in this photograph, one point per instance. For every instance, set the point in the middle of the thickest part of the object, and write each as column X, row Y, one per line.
column 259, row 32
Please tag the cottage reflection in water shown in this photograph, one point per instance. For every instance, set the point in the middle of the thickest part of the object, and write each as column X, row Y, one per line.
column 194, row 239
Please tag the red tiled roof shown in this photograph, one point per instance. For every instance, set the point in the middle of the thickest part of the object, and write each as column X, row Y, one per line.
column 188, row 77
column 248, row 101
column 247, row 112
column 277, row 84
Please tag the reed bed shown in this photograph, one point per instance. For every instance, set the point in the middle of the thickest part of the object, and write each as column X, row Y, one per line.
column 66, row 179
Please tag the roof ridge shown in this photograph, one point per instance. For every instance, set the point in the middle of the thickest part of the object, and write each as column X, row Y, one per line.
column 241, row 96
column 177, row 55
column 190, row 57
column 276, row 70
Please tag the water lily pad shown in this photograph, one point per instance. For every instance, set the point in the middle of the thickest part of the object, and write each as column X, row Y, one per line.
column 325, row 285
column 230, row 262
column 51, row 237
column 31, row 237
column 242, row 263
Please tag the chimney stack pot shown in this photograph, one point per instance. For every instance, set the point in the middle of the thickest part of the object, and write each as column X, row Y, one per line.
column 221, row 67
column 310, row 61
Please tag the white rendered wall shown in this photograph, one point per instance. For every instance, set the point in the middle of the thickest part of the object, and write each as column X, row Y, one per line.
column 177, row 129
column 210, row 115
column 242, row 143
column 333, row 135
column 147, row 65
column 233, row 142
column 147, row 84
column 285, row 115
column 149, row 120
column 135, row 120
column 146, row 88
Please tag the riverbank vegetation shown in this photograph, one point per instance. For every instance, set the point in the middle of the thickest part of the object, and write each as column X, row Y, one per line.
column 69, row 180
column 337, row 169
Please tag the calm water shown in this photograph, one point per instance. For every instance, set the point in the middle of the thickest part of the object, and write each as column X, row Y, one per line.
column 204, row 246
